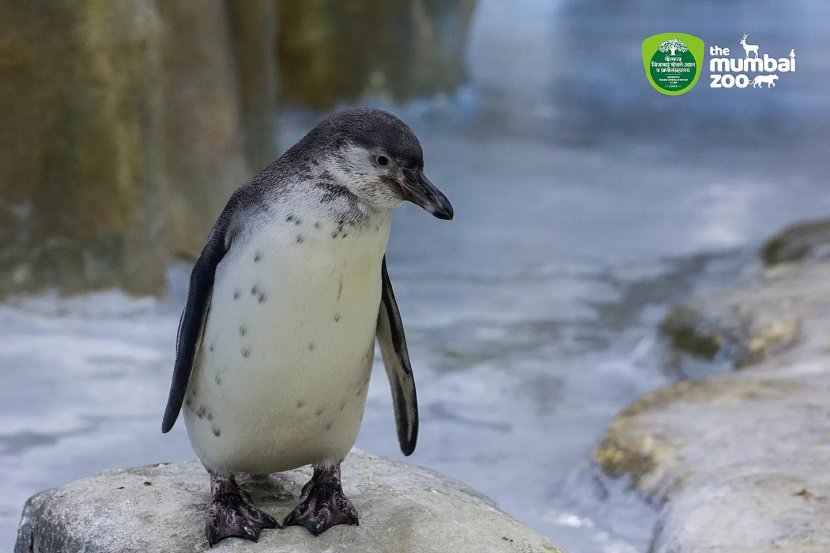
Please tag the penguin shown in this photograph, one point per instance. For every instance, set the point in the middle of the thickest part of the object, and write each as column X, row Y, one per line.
column 285, row 303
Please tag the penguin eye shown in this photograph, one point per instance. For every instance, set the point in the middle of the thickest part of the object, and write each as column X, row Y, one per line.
column 383, row 160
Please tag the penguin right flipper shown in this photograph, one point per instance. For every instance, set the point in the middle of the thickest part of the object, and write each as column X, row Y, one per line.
column 195, row 313
column 392, row 342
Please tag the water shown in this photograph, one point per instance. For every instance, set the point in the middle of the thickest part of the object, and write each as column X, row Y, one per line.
column 586, row 204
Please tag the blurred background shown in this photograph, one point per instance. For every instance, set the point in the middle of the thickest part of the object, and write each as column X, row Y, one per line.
column 586, row 204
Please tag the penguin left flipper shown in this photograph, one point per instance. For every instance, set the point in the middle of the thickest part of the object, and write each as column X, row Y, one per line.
column 390, row 336
column 195, row 313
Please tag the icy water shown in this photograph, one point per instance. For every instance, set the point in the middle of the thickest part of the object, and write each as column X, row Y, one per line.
column 586, row 204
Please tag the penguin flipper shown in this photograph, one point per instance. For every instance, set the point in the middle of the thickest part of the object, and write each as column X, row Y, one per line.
column 195, row 313
column 390, row 336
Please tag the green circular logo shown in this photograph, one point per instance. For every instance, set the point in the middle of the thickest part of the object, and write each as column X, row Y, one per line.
column 673, row 67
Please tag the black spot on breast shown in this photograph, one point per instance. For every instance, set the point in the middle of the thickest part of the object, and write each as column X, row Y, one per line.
column 334, row 235
column 311, row 346
column 187, row 402
column 300, row 404
column 320, row 411
column 317, row 224
column 298, row 221
column 254, row 290
column 236, row 294
column 343, row 405
column 216, row 431
column 329, row 425
column 337, row 317
column 212, row 347
column 263, row 298
column 345, row 234
column 201, row 412
column 243, row 330
column 217, row 379
column 246, row 352
column 210, row 416
column 289, row 218
column 300, row 239
column 257, row 257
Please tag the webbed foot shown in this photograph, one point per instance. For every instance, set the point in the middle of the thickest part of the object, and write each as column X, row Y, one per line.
column 231, row 514
column 322, row 504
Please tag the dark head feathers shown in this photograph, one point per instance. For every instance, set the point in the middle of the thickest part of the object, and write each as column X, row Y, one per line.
column 373, row 129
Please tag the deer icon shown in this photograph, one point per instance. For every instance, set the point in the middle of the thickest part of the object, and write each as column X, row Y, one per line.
column 749, row 47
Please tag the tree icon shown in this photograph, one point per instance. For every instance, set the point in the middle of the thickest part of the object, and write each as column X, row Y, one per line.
column 673, row 46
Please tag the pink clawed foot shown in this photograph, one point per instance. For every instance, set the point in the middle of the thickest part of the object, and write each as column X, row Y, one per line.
column 322, row 504
column 231, row 515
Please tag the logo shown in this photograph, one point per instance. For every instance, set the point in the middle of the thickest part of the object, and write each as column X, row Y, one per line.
column 726, row 71
column 673, row 62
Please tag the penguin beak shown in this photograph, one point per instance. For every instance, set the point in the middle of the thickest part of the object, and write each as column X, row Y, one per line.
column 420, row 191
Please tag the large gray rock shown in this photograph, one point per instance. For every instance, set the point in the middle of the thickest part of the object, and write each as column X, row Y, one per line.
column 738, row 461
column 402, row 508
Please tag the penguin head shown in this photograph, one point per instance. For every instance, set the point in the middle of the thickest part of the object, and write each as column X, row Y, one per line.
column 379, row 158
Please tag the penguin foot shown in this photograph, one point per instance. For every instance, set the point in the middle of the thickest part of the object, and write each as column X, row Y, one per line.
column 322, row 504
column 231, row 514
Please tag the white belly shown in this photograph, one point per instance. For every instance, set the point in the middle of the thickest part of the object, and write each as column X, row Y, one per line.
column 281, row 375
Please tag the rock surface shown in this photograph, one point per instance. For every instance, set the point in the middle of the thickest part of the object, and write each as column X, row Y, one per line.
column 804, row 241
column 78, row 176
column 402, row 508
column 738, row 461
column 126, row 127
column 211, row 97
column 754, row 320
column 397, row 50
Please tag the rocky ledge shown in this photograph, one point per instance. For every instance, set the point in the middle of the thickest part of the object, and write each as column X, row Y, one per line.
column 739, row 461
column 161, row 508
